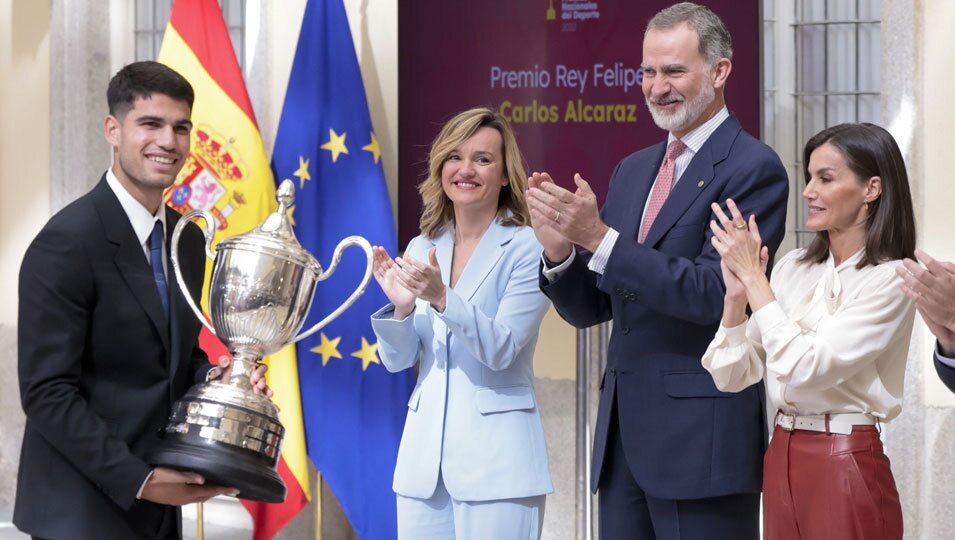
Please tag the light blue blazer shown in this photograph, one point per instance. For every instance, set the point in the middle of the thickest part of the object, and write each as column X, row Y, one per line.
column 473, row 414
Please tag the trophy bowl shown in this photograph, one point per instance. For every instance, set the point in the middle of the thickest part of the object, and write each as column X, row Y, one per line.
column 260, row 292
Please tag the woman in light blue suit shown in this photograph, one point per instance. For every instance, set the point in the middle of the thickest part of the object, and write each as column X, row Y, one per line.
column 466, row 308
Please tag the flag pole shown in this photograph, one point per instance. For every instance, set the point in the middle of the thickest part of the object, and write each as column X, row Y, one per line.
column 199, row 532
column 318, row 506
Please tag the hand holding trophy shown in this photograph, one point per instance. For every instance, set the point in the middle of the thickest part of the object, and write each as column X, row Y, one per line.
column 261, row 289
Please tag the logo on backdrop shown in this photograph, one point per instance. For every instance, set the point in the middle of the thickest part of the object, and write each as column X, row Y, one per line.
column 572, row 13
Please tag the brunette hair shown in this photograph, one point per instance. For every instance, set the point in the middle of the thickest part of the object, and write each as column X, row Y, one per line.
column 142, row 80
column 869, row 150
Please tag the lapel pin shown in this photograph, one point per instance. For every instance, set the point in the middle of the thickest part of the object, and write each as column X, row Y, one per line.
column 700, row 184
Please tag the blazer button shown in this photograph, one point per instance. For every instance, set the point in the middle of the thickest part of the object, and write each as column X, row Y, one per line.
column 625, row 330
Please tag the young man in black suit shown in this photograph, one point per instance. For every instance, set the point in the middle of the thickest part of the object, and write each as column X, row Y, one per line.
column 106, row 342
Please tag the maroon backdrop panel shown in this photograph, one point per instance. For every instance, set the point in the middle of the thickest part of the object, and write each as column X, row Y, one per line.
column 566, row 78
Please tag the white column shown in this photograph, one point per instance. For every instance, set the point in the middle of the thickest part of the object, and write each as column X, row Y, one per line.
column 79, row 74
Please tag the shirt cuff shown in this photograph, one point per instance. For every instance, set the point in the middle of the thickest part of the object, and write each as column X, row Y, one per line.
column 950, row 362
column 552, row 273
column 139, row 494
column 769, row 316
column 598, row 263
column 735, row 335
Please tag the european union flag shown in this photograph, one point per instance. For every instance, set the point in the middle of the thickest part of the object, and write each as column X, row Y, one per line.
column 353, row 409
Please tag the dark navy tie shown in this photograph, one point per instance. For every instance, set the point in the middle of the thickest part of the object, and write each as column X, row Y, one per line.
column 155, row 260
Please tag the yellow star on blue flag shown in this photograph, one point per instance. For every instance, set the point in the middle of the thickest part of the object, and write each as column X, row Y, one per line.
column 335, row 144
column 328, row 348
column 373, row 148
column 302, row 172
column 368, row 354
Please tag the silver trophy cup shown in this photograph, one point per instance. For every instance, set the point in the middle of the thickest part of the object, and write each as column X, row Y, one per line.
column 262, row 287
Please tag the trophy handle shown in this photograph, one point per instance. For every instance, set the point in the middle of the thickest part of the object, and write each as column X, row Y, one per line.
column 208, row 232
column 336, row 258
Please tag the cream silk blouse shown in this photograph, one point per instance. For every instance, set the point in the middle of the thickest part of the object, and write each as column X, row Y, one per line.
column 834, row 341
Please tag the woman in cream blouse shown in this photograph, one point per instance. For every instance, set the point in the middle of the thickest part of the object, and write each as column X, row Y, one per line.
column 829, row 334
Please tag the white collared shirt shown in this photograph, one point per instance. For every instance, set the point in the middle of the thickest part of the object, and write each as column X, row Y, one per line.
column 694, row 141
column 140, row 218
column 835, row 340
column 950, row 362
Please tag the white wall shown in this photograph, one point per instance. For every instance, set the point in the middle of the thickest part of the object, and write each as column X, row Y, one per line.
column 935, row 192
column 24, row 138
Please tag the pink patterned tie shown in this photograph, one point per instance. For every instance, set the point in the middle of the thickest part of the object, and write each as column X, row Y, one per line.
column 661, row 188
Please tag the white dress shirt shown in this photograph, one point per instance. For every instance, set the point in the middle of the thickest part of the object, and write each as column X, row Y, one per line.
column 693, row 140
column 950, row 362
column 140, row 218
column 834, row 341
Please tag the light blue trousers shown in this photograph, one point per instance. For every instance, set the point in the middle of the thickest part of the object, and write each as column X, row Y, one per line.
column 443, row 518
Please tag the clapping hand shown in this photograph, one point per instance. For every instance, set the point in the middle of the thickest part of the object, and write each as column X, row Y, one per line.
column 574, row 215
column 743, row 263
column 386, row 274
column 423, row 279
column 544, row 220
column 932, row 288
column 734, row 287
column 739, row 244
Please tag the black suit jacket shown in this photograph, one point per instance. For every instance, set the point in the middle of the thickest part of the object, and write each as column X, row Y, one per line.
column 946, row 373
column 683, row 438
column 99, row 369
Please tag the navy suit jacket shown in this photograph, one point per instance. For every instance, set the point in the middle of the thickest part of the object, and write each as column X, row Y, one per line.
column 946, row 373
column 683, row 438
column 99, row 368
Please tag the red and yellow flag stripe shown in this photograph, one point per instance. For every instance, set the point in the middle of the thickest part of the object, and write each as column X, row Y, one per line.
column 228, row 173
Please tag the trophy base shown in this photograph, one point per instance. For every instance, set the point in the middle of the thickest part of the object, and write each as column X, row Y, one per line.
column 222, row 465
column 228, row 434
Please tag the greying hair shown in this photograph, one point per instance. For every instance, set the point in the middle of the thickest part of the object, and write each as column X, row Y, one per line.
column 715, row 41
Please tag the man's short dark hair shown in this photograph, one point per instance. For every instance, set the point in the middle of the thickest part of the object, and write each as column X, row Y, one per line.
column 142, row 80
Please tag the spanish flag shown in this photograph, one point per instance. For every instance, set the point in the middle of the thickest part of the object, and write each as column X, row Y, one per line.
column 228, row 174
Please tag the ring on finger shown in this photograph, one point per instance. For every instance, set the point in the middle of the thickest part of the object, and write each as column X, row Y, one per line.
column 740, row 226
column 557, row 217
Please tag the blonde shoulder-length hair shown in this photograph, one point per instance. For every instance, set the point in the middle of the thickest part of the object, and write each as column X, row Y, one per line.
column 438, row 210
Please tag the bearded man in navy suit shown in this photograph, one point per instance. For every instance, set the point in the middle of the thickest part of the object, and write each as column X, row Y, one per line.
column 673, row 456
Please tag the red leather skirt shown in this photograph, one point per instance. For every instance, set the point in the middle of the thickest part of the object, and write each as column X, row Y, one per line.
column 823, row 486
